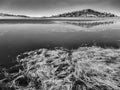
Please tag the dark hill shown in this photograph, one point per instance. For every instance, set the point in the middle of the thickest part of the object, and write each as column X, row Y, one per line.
column 86, row 13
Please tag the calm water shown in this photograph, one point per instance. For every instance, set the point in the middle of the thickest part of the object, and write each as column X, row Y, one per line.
column 19, row 38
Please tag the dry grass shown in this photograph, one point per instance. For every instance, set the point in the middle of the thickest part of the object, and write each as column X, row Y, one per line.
column 87, row 68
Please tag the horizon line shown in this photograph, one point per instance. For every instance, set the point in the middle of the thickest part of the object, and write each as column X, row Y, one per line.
column 57, row 14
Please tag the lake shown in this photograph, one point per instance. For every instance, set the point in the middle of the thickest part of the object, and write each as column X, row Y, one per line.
column 17, row 38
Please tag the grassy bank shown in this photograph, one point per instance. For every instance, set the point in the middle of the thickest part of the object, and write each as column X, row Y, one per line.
column 87, row 68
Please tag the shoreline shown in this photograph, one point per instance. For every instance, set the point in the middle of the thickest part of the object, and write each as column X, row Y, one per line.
column 82, row 20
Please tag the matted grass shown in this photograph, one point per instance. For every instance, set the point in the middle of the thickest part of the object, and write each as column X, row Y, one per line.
column 87, row 68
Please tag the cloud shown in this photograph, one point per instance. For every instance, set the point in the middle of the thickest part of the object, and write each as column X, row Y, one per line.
column 47, row 5
column 115, row 3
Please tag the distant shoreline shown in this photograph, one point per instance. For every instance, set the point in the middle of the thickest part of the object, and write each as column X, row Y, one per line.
column 38, row 20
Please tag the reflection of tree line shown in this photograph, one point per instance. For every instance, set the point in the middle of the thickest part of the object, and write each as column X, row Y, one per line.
column 90, row 24
column 17, row 21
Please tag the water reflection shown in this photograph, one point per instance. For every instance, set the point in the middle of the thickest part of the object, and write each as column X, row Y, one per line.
column 90, row 24
column 19, row 38
column 26, row 21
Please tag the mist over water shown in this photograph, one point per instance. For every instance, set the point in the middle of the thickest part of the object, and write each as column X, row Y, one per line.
column 18, row 38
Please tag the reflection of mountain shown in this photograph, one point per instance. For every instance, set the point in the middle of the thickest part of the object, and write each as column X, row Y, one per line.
column 90, row 24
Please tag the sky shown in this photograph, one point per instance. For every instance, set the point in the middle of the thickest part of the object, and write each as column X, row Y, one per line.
column 54, row 7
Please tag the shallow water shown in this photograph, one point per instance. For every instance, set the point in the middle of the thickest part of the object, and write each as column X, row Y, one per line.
column 18, row 38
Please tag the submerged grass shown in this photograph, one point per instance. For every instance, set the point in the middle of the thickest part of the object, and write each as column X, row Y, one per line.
column 87, row 68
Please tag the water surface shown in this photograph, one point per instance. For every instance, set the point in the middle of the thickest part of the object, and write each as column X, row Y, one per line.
column 21, row 37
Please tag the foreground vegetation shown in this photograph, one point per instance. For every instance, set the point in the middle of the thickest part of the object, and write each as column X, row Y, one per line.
column 87, row 68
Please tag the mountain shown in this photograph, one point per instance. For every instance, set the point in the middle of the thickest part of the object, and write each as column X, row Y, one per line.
column 86, row 13
column 4, row 15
